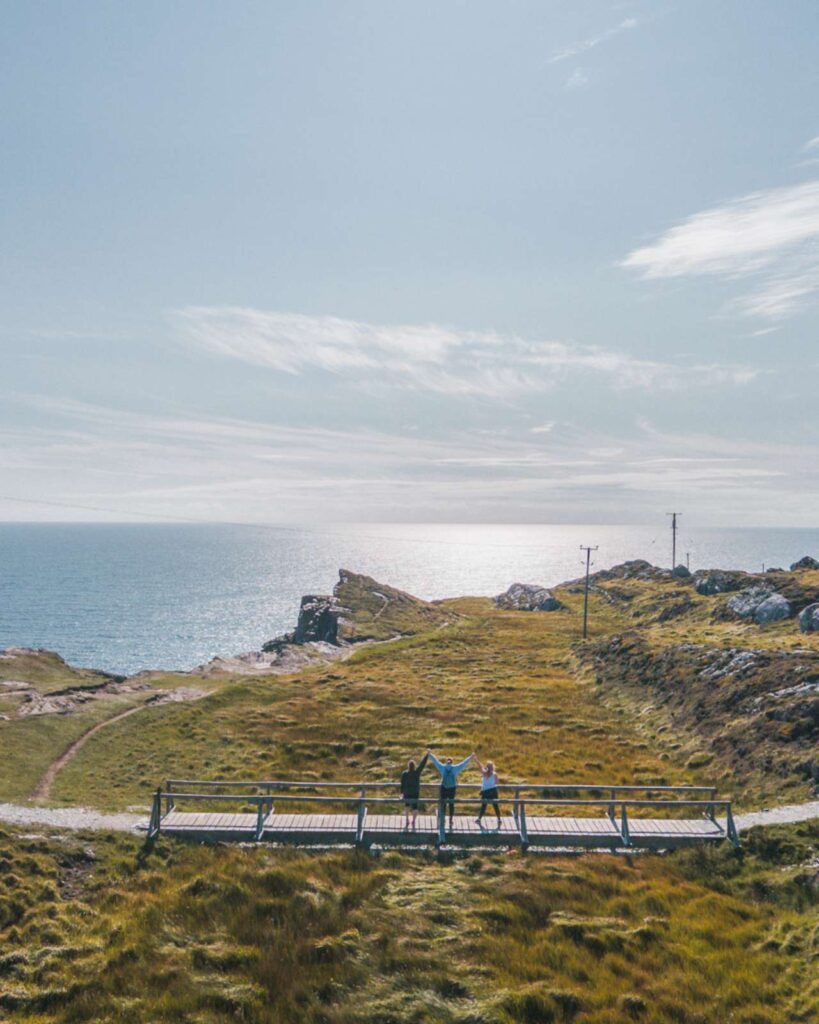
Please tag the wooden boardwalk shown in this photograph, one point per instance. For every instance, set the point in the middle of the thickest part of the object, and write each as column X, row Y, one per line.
column 333, row 814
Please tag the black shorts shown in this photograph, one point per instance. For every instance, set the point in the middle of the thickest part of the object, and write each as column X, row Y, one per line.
column 411, row 802
column 489, row 796
column 448, row 792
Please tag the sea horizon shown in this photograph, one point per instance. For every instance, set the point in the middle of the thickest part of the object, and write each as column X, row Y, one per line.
column 126, row 597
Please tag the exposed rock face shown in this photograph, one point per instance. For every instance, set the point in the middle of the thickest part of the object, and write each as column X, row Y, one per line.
column 717, row 583
column 805, row 563
column 318, row 620
column 759, row 604
column 359, row 609
column 682, row 572
column 528, row 597
column 809, row 619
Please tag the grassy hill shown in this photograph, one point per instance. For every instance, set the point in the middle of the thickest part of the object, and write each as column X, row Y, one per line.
column 96, row 928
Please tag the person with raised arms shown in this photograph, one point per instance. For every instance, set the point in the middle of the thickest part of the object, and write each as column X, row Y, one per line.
column 411, row 789
column 449, row 780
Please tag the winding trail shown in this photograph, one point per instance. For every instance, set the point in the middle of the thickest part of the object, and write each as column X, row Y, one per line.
column 83, row 818
column 43, row 788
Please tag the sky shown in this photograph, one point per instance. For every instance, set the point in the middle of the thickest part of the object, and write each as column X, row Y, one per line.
column 461, row 261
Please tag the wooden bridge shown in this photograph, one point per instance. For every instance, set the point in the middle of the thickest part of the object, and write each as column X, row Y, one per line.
column 371, row 814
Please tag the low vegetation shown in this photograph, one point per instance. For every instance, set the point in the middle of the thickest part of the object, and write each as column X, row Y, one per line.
column 104, row 928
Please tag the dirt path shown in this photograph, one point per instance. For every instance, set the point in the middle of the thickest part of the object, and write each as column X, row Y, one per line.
column 43, row 788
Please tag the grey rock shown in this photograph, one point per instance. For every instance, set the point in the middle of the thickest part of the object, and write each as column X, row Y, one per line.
column 760, row 604
column 805, row 563
column 528, row 597
column 809, row 619
column 319, row 616
column 716, row 583
column 772, row 609
column 681, row 572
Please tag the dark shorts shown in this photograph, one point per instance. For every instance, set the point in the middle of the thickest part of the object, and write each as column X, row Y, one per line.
column 448, row 792
column 411, row 802
column 489, row 795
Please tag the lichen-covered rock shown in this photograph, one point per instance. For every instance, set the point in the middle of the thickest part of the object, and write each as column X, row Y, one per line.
column 318, row 619
column 809, row 619
column 772, row 609
column 717, row 583
column 759, row 604
column 528, row 597
column 805, row 563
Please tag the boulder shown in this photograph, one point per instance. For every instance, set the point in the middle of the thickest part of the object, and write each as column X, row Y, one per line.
column 809, row 619
column 805, row 563
column 759, row 604
column 716, row 583
column 681, row 572
column 318, row 619
column 772, row 609
column 528, row 597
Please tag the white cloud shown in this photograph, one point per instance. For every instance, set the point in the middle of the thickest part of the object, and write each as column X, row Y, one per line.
column 773, row 234
column 427, row 357
column 589, row 43
column 812, row 143
column 133, row 464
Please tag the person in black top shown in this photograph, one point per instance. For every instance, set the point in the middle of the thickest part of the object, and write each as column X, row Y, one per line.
column 411, row 789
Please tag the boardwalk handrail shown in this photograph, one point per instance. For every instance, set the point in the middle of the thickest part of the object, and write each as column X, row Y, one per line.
column 511, row 786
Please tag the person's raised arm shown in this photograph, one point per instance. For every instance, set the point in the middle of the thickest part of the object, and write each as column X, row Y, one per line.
column 477, row 761
column 435, row 761
column 423, row 762
column 458, row 768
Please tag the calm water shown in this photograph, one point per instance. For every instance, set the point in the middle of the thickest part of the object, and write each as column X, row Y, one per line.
column 128, row 597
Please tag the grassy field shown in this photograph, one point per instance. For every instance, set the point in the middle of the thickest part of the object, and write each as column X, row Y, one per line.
column 98, row 929
column 102, row 928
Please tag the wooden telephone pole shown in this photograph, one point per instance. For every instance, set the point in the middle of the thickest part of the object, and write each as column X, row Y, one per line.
column 588, row 551
column 673, row 537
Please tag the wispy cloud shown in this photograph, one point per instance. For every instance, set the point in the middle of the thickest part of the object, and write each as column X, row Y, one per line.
column 592, row 41
column 427, row 357
column 201, row 467
column 812, row 143
column 772, row 235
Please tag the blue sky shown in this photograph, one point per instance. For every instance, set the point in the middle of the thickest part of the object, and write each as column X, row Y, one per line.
column 452, row 261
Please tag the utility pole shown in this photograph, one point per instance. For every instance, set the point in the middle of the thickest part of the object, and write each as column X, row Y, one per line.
column 688, row 560
column 673, row 537
column 588, row 551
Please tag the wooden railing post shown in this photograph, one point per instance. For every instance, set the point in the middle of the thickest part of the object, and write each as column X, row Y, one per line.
column 260, row 816
column 362, row 813
column 169, row 802
column 156, row 814
column 522, row 829
column 624, row 826
column 516, row 809
column 731, row 828
column 612, row 811
column 441, row 820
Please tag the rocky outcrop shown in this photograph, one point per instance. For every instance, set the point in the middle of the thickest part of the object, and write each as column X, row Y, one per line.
column 809, row 619
column 718, row 582
column 528, row 597
column 681, row 572
column 757, row 707
column 805, row 563
column 359, row 609
column 759, row 604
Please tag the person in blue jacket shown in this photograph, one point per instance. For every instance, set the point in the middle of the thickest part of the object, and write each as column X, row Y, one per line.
column 449, row 780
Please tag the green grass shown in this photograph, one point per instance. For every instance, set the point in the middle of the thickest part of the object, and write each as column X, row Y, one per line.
column 96, row 929
column 46, row 671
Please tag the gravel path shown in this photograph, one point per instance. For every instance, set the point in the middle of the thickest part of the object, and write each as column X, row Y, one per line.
column 83, row 818
column 72, row 818
column 777, row 815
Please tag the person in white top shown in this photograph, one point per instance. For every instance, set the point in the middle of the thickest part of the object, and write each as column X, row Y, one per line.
column 489, row 789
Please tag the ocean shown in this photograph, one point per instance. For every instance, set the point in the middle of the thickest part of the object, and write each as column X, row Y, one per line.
column 126, row 597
